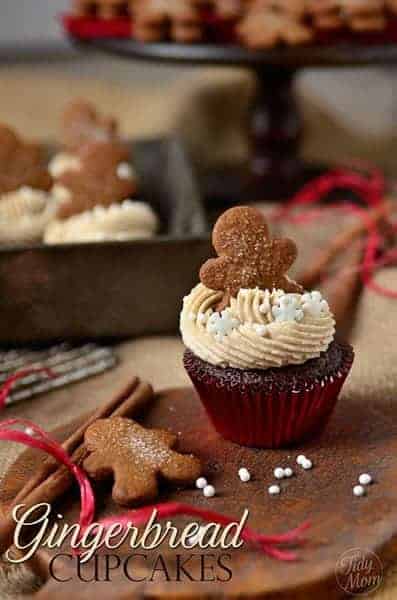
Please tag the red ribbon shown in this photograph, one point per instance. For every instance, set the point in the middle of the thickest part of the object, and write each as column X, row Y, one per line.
column 267, row 544
column 371, row 190
column 35, row 437
column 7, row 385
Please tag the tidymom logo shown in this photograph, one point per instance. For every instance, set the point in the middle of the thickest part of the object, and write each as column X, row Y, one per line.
column 359, row 572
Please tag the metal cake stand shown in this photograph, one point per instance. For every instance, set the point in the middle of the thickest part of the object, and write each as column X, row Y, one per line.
column 275, row 169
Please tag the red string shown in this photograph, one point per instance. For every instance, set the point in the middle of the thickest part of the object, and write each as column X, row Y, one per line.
column 34, row 436
column 267, row 544
column 371, row 189
column 7, row 385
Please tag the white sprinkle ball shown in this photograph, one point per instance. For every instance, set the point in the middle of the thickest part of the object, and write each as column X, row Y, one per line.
column 124, row 171
column 274, row 490
column 201, row 482
column 288, row 472
column 307, row 464
column 365, row 479
column 244, row 475
column 29, row 431
column 209, row 491
column 359, row 491
column 300, row 459
column 279, row 473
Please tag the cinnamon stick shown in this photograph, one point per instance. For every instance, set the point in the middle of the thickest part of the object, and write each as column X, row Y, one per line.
column 343, row 289
column 71, row 443
column 53, row 480
column 314, row 273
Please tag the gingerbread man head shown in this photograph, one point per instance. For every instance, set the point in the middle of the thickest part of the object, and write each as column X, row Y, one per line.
column 21, row 164
column 82, row 124
column 248, row 257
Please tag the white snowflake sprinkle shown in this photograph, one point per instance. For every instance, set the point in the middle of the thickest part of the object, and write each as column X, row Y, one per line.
column 313, row 304
column 288, row 309
column 222, row 324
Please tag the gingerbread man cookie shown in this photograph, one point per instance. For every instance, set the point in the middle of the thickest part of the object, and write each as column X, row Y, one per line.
column 101, row 180
column 248, row 257
column 363, row 15
column 136, row 457
column 105, row 9
column 21, row 164
column 230, row 9
column 266, row 28
column 325, row 14
column 295, row 8
column 159, row 19
column 82, row 124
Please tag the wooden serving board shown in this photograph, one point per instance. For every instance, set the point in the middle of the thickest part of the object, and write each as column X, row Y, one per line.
column 359, row 438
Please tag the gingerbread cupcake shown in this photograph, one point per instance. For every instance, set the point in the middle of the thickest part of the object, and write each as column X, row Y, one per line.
column 96, row 199
column 260, row 350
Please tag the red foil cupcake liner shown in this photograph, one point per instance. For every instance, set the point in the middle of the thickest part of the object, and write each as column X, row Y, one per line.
column 270, row 418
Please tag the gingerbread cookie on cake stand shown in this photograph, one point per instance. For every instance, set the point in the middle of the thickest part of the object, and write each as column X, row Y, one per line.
column 276, row 40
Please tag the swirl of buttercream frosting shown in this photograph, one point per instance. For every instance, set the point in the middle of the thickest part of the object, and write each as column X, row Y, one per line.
column 129, row 220
column 259, row 329
column 24, row 214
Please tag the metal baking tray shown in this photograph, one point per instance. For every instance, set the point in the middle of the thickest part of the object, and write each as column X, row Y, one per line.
column 112, row 290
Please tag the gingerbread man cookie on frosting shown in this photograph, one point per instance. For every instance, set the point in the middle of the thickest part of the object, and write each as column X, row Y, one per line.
column 248, row 257
column 100, row 180
column 21, row 164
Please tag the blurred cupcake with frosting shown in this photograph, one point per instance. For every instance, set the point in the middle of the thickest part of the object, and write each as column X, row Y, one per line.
column 96, row 199
column 27, row 204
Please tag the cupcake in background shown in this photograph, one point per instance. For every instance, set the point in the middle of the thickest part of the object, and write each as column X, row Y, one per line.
column 260, row 350
column 26, row 202
column 96, row 199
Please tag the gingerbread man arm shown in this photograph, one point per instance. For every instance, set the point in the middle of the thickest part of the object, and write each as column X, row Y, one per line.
column 285, row 253
column 133, row 485
column 213, row 273
column 181, row 468
column 98, row 465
